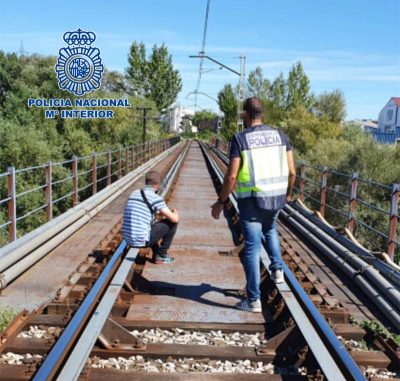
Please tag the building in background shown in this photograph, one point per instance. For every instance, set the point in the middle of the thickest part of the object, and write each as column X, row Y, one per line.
column 174, row 117
column 389, row 117
column 387, row 131
column 366, row 125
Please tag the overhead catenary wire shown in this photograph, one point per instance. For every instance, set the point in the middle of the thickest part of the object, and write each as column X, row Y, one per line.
column 202, row 52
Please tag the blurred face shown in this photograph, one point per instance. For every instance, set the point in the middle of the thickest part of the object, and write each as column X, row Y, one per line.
column 246, row 119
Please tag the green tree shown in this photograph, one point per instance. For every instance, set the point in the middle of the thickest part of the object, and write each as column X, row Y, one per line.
column 154, row 78
column 138, row 70
column 10, row 69
column 113, row 81
column 257, row 85
column 306, row 130
column 278, row 92
column 228, row 105
column 332, row 105
column 276, row 104
column 298, row 88
column 204, row 117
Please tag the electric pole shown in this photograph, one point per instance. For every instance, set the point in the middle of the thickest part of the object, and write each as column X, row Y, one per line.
column 144, row 114
column 241, row 75
column 239, row 126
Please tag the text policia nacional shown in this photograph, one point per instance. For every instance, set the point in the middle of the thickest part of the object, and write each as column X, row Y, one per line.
column 51, row 103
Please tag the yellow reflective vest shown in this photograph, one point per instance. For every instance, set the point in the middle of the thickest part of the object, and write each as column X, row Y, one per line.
column 264, row 169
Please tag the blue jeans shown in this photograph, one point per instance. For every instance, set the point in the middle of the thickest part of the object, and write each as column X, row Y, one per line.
column 257, row 223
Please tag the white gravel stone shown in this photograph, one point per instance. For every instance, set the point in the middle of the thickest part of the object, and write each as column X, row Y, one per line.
column 382, row 373
column 16, row 359
column 217, row 338
column 190, row 365
column 40, row 332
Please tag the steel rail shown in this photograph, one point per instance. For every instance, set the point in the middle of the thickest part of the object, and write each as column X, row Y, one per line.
column 77, row 359
column 81, row 351
column 310, row 322
column 59, row 351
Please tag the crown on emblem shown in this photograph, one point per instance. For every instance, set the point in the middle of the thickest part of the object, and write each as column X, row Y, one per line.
column 79, row 37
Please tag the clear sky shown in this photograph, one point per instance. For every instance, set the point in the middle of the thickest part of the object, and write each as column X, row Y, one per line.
column 353, row 45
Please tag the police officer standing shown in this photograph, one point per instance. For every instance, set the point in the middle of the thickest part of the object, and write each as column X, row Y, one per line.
column 262, row 168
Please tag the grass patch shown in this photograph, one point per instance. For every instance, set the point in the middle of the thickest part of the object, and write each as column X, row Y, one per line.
column 379, row 329
column 6, row 315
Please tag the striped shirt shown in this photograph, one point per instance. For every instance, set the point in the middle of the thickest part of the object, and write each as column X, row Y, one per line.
column 137, row 219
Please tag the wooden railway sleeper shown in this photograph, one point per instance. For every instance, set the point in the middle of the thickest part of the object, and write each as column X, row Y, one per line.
column 32, row 368
column 390, row 348
column 14, row 327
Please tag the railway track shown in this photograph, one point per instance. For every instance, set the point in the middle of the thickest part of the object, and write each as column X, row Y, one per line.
column 121, row 313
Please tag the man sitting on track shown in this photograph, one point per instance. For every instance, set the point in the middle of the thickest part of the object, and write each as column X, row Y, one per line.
column 139, row 227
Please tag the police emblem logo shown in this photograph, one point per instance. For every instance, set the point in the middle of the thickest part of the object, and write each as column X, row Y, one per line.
column 79, row 68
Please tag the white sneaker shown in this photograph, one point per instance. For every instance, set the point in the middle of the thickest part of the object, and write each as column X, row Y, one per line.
column 277, row 276
column 245, row 305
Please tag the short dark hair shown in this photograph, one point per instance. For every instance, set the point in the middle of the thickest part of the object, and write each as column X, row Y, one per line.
column 152, row 178
column 253, row 108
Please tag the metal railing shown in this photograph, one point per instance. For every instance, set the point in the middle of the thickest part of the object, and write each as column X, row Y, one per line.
column 346, row 197
column 56, row 187
column 350, row 200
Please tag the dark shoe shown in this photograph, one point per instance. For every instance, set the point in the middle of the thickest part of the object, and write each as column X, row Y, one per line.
column 161, row 260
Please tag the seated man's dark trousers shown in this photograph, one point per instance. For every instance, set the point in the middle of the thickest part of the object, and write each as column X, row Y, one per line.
column 164, row 230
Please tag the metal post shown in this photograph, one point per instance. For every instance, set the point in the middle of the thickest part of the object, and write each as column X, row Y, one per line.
column 240, row 95
column 144, row 125
column 144, row 118
column 139, row 154
column 12, row 204
column 94, row 173
column 119, row 164
column 75, row 194
column 302, row 180
column 352, row 202
column 49, row 192
column 324, row 181
column 394, row 216
column 108, row 167
column 126, row 161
